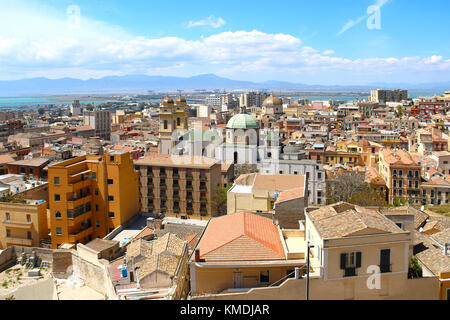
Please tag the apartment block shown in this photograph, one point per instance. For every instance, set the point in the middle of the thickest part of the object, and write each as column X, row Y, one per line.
column 401, row 173
column 100, row 120
column 179, row 186
column 90, row 196
column 383, row 96
column 23, row 224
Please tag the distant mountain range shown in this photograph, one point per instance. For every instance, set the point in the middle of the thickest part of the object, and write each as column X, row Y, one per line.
column 143, row 83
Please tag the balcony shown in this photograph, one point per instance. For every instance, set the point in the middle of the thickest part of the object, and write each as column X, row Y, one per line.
column 385, row 268
column 349, row 272
column 19, row 241
column 189, row 177
column 203, row 178
column 190, row 187
column 163, row 186
column 150, row 195
column 17, row 224
column 176, row 186
column 176, row 197
column 77, row 219
column 80, row 234
column 189, row 197
column 203, row 188
column 176, row 176
column 162, row 175
column 71, row 204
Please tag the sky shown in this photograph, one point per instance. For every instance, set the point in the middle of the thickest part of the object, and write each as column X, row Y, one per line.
column 327, row 42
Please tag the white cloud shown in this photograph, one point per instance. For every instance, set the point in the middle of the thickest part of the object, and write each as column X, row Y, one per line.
column 209, row 21
column 45, row 46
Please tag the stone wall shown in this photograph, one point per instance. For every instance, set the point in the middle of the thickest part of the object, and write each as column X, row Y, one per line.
column 7, row 258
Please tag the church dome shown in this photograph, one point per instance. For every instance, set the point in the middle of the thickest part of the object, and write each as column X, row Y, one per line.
column 272, row 101
column 242, row 121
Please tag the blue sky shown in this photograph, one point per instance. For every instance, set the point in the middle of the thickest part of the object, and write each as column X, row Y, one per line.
column 323, row 41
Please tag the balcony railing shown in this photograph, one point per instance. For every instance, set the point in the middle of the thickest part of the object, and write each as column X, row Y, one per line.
column 385, row 268
column 203, row 178
column 19, row 241
column 189, row 176
column 17, row 224
column 349, row 272
column 191, row 187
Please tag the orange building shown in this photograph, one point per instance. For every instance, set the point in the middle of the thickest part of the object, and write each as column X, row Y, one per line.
column 90, row 196
column 401, row 173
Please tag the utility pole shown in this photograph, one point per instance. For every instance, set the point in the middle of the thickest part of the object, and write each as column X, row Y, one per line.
column 307, row 270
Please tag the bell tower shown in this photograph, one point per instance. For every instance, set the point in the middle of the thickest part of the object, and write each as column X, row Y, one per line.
column 167, row 125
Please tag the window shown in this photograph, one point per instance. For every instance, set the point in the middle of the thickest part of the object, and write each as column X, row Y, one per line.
column 58, row 231
column 319, row 175
column 110, row 181
column 29, row 235
column 56, row 180
column 97, row 224
column 58, row 214
column 111, row 158
column 8, row 233
column 96, row 191
column 57, row 197
column 94, row 175
column 350, row 262
column 111, row 214
column 385, row 260
column 96, row 208
column 264, row 276
column 7, row 217
column 110, row 198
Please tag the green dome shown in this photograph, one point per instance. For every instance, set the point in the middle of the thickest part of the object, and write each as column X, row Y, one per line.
column 242, row 121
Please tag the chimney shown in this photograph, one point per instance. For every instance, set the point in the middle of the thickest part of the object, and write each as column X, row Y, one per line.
column 158, row 224
column 197, row 255
column 151, row 223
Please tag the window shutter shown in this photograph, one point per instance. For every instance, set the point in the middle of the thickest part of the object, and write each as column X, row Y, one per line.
column 343, row 260
column 358, row 259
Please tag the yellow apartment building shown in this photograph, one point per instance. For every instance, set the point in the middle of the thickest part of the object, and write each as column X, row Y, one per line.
column 345, row 152
column 90, row 196
column 23, row 224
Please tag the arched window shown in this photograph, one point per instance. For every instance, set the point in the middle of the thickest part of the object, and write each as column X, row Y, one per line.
column 57, row 214
column 165, row 124
column 178, row 121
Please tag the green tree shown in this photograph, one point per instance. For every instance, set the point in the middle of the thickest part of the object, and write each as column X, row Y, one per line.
column 415, row 269
column 41, row 111
column 219, row 200
column 343, row 186
column 368, row 197
column 399, row 110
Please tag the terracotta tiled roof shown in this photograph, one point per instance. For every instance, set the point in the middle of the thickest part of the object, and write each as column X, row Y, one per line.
column 4, row 158
column 429, row 254
column 397, row 157
column 145, row 232
column 442, row 237
column 274, row 182
column 291, row 194
column 344, row 219
column 241, row 236
column 436, row 225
